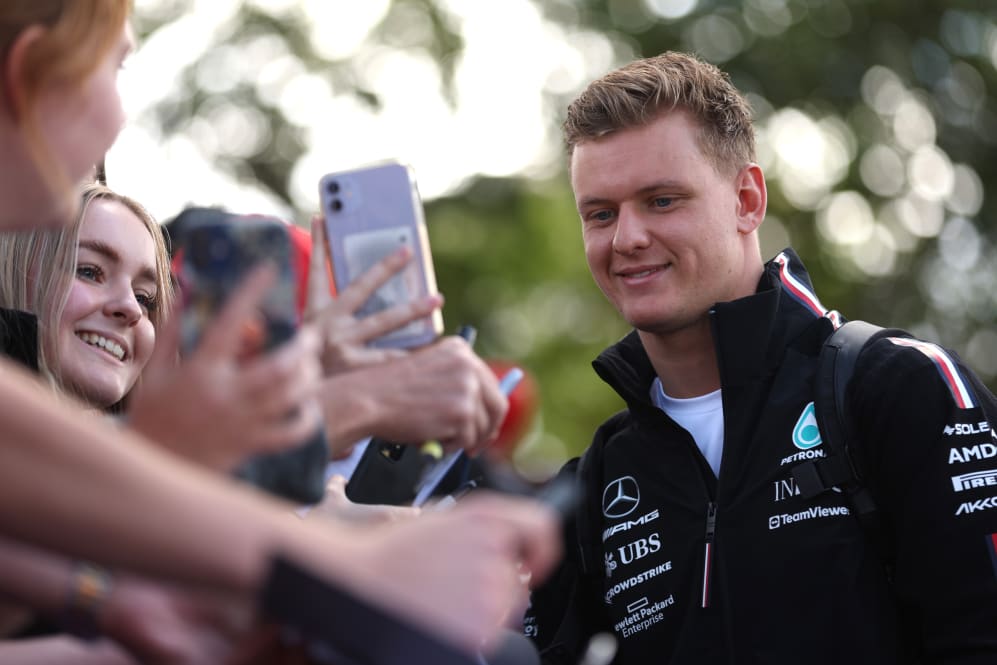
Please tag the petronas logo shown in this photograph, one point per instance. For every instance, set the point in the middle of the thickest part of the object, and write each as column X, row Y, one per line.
column 805, row 434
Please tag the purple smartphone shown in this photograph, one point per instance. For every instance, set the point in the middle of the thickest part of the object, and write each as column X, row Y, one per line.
column 369, row 213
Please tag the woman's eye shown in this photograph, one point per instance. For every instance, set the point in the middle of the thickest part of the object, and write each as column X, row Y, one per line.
column 91, row 273
column 147, row 302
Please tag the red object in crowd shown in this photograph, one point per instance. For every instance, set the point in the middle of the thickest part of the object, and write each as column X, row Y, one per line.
column 301, row 245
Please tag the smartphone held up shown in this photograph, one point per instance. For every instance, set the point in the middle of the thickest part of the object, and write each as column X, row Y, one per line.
column 369, row 213
column 219, row 251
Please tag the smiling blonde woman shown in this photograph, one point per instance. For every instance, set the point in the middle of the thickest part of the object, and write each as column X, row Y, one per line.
column 100, row 289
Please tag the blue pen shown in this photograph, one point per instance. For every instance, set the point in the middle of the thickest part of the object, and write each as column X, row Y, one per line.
column 510, row 381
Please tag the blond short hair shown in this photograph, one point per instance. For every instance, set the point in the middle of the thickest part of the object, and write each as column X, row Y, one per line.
column 641, row 91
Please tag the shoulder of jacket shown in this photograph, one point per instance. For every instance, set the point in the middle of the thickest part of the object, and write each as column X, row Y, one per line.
column 611, row 425
column 895, row 366
column 892, row 359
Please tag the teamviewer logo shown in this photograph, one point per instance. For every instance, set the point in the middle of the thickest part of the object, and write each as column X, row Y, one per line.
column 620, row 498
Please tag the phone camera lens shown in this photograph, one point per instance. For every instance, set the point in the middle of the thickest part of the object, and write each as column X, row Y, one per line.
column 332, row 187
column 336, row 205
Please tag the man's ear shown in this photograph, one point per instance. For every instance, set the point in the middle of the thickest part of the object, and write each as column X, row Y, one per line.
column 13, row 82
column 752, row 198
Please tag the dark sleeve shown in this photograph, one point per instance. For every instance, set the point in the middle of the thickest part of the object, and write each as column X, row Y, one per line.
column 19, row 337
column 931, row 455
column 555, row 618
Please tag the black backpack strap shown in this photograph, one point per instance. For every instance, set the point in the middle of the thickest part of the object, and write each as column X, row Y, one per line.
column 835, row 367
column 840, row 470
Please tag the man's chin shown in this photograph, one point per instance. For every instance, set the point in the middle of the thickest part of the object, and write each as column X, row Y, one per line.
column 653, row 323
column 660, row 326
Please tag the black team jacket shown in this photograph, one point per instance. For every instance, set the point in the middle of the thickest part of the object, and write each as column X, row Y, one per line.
column 685, row 568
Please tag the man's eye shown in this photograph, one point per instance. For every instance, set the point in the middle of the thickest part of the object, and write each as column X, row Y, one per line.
column 662, row 201
column 601, row 215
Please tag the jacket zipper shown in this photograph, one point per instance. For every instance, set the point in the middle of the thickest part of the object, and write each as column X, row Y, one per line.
column 711, row 532
column 711, row 506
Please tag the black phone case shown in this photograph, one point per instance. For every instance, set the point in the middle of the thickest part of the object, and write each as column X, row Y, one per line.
column 219, row 250
column 386, row 474
column 389, row 473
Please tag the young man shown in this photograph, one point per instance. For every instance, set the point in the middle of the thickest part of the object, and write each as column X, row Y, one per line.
column 695, row 544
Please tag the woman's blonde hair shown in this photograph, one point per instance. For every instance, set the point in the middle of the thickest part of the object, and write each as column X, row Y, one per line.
column 37, row 269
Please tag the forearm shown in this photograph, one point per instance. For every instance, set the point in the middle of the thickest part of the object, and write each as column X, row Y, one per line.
column 443, row 392
column 37, row 578
column 71, row 482
column 48, row 650
column 356, row 405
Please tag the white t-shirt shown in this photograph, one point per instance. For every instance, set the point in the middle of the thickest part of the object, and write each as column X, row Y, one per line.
column 702, row 417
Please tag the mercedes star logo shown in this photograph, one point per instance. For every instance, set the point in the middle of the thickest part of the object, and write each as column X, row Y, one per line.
column 620, row 497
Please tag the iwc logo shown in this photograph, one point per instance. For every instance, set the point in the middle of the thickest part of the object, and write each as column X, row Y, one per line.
column 620, row 498
column 805, row 433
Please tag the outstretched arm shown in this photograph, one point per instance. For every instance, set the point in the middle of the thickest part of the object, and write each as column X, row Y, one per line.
column 442, row 392
column 75, row 483
column 47, row 650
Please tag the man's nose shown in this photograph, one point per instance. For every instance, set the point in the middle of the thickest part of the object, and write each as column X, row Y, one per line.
column 631, row 232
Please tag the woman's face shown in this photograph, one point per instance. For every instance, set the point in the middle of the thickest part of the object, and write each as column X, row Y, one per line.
column 105, row 335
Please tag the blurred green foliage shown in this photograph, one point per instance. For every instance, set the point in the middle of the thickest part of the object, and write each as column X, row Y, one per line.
column 877, row 128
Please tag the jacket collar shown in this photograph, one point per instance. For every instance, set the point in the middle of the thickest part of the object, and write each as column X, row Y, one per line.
column 750, row 333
